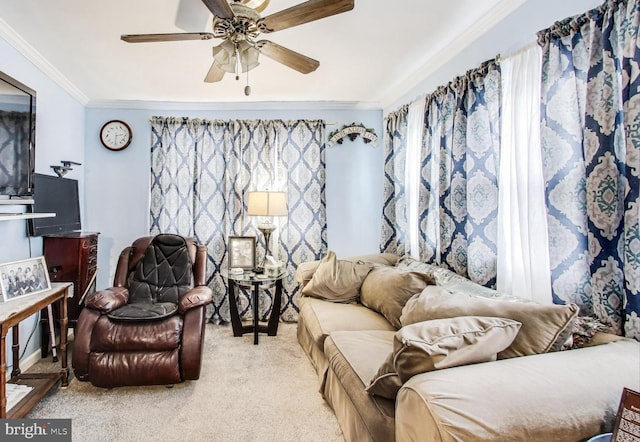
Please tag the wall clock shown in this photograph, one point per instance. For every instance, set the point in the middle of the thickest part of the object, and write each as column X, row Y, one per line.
column 115, row 135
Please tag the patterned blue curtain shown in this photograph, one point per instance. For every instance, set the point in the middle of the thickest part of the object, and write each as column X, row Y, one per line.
column 201, row 172
column 591, row 150
column 458, row 202
column 394, row 215
column 459, row 187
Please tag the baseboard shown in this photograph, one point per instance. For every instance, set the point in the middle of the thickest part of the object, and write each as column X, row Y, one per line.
column 30, row 360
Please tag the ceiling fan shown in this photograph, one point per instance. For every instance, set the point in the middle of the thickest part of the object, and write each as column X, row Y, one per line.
column 238, row 23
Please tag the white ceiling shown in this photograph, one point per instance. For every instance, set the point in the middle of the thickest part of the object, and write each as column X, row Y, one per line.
column 366, row 55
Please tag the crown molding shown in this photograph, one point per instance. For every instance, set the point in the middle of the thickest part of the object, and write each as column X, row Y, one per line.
column 24, row 48
column 231, row 106
column 404, row 85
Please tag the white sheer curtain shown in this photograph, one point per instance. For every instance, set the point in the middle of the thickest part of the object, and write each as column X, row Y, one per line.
column 523, row 252
column 415, row 133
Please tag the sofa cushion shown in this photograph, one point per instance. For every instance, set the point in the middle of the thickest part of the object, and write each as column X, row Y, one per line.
column 337, row 280
column 353, row 358
column 387, row 289
column 441, row 343
column 322, row 318
column 450, row 280
column 305, row 270
column 560, row 396
column 544, row 327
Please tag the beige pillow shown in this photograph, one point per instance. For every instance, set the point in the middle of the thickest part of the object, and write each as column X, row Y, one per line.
column 545, row 327
column 387, row 289
column 441, row 343
column 305, row 270
column 337, row 281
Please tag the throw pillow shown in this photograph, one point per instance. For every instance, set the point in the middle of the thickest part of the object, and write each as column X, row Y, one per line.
column 337, row 281
column 545, row 327
column 305, row 270
column 441, row 343
column 387, row 289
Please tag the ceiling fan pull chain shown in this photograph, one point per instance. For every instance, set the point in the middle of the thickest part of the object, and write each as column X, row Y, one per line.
column 247, row 88
column 237, row 62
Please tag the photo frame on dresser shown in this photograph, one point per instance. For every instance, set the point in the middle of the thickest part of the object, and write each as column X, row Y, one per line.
column 24, row 277
column 242, row 252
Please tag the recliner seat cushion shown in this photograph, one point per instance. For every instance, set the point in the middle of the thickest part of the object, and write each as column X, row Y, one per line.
column 144, row 311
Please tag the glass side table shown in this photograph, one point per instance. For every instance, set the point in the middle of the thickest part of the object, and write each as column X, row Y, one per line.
column 249, row 279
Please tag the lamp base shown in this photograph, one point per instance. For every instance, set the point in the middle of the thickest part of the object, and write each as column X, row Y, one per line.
column 267, row 229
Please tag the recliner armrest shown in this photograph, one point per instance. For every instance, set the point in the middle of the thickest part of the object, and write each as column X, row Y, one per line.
column 197, row 296
column 108, row 300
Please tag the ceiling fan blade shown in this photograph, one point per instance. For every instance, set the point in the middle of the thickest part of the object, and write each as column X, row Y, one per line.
column 192, row 15
column 303, row 13
column 219, row 8
column 150, row 38
column 287, row 57
column 215, row 74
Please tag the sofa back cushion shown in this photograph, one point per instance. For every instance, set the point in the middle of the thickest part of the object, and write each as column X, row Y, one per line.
column 337, row 280
column 545, row 327
column 387, row 289
column 305, row 270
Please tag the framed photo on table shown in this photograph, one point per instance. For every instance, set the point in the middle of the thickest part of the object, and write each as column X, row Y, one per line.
column 242, row 252
column 25, row 277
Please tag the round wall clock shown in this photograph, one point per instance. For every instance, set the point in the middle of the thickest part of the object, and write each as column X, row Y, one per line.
column 115, row 135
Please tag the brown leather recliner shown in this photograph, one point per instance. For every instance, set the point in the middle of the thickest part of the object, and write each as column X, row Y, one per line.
column 148, row 329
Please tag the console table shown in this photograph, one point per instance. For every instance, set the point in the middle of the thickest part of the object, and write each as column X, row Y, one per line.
column 249, row 279
column 11, row 314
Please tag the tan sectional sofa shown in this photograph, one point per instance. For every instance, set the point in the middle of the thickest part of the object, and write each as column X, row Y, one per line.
column 567, row 395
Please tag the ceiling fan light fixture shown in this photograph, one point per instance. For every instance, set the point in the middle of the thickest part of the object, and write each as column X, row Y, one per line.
column 248, row 56
column 225, row 56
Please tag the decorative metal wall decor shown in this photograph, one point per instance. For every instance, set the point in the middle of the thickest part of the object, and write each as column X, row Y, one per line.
column 352, row 131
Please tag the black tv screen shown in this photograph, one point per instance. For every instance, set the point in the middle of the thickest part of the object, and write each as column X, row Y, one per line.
column 17, row 137
column 52, row 194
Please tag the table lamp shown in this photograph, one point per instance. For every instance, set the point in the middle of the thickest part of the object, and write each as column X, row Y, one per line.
column 266, row 204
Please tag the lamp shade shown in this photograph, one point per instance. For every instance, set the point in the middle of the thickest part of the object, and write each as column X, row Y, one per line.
column 267, row 204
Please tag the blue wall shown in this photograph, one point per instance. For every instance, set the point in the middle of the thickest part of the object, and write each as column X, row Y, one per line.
column 60, row 126
column 118, row 182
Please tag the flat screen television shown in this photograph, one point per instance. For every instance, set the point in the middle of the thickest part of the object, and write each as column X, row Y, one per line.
column 17, row 137
column 52, row 194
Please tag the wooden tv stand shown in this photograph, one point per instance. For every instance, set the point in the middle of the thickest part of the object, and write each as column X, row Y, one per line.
column 11, row 314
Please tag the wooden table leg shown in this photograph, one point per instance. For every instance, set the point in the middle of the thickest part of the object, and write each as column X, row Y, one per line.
column 3, row 375
column 16, row 350
column 64, row 323
column 274, row 319
column 233, row 309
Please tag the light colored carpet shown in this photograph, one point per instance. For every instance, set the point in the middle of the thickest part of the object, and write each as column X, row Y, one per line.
column 246, row 392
